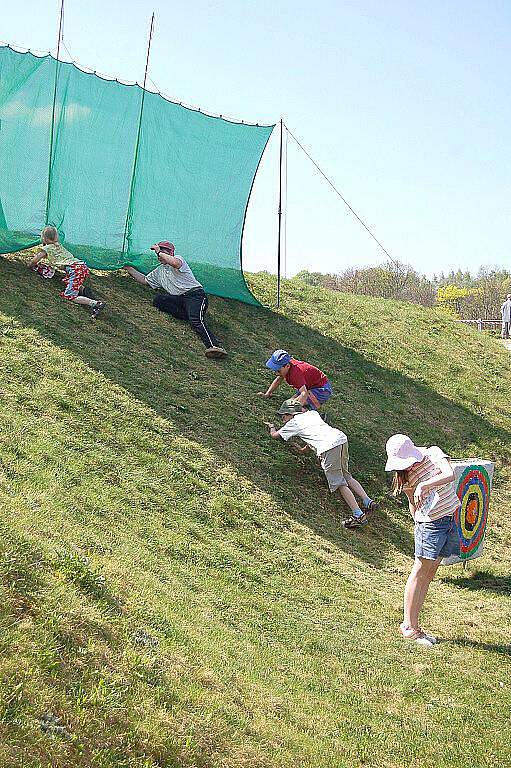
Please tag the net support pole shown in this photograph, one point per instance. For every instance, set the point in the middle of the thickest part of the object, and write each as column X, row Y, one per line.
column 137, row 143
column 53, row 110
column 279, row 218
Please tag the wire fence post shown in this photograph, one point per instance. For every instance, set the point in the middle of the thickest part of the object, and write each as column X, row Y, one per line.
column 53, row 110
column 280, row 217
column 137, row 143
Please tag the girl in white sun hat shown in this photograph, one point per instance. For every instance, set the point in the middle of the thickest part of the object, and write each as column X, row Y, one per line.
column 426, row 477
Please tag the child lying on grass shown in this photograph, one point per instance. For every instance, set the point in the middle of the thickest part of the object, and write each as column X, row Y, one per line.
column 331, row 448
column 311, row 385
column 55, row 255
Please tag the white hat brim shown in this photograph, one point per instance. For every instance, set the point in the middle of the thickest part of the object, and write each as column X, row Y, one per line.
column 394, row 463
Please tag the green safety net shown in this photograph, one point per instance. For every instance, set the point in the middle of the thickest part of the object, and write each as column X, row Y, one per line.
column 122, row 177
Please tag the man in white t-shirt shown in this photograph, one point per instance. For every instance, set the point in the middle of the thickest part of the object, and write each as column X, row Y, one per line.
column 183, row 296
column 331, row 447
column 506, row 317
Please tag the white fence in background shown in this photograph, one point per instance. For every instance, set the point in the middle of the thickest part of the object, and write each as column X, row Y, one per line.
column 484, row 324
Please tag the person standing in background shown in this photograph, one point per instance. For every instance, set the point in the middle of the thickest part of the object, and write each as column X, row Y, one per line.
column 506, row 317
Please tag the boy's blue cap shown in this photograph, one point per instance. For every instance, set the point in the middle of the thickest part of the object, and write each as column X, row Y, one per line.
column 279, row 358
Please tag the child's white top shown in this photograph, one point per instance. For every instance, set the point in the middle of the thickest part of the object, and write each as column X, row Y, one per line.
column 310, row 427
column 58, row 256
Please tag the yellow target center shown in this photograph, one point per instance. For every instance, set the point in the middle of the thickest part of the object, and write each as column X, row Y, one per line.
column 471, row 509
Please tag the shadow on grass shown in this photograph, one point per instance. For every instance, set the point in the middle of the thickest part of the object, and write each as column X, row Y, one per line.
column 463, row 642
column 482, row 580
column 159, row 361
column 76, row 569
column 20, row 567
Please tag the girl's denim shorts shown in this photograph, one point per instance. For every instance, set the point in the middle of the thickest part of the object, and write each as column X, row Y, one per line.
column 437, row 538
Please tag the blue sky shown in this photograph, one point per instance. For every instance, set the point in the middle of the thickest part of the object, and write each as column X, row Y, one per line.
column 405, row 106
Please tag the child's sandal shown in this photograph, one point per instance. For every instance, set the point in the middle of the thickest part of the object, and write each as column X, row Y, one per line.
column 418, row 635
column 355, row 521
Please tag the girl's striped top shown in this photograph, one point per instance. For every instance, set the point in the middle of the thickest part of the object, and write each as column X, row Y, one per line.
column 445, row 500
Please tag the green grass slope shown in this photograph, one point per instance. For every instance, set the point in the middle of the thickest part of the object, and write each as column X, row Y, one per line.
column 177, row 590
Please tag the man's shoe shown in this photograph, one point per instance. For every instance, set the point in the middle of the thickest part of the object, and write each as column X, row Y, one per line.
column 216, row 353
column 357, row 521
column 99, row 307
column 372, row 506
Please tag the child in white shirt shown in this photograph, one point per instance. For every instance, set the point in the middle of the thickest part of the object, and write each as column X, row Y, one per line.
column 331, row 447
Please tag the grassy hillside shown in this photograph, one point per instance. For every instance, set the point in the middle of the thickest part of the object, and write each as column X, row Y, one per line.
column 177, row 590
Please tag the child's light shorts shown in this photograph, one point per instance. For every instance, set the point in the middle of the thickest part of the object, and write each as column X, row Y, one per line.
column 335, row 466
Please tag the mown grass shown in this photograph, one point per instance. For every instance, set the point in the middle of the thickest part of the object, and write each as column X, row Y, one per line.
column 177, row 590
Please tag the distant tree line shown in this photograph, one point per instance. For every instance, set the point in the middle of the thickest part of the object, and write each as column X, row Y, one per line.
column 470, row 297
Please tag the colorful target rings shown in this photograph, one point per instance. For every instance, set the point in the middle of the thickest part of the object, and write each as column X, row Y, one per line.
column 474, row 494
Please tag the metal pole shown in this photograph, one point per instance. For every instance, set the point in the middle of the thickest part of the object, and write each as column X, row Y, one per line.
column 52, row 130
column 132, row 186
column 280, row 217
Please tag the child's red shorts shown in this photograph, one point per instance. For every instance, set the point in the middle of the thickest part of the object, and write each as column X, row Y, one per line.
column 76, row 275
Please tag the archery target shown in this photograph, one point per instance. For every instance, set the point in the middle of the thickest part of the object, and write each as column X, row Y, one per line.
column 473, row 490
column 474, row 495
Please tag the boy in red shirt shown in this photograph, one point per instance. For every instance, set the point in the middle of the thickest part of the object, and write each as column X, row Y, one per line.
column 311, row 385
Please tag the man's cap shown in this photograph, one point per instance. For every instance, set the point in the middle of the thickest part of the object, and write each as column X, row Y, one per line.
column 279, row 358
column 401, row 453
column 291, row 406
column 163, row 244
